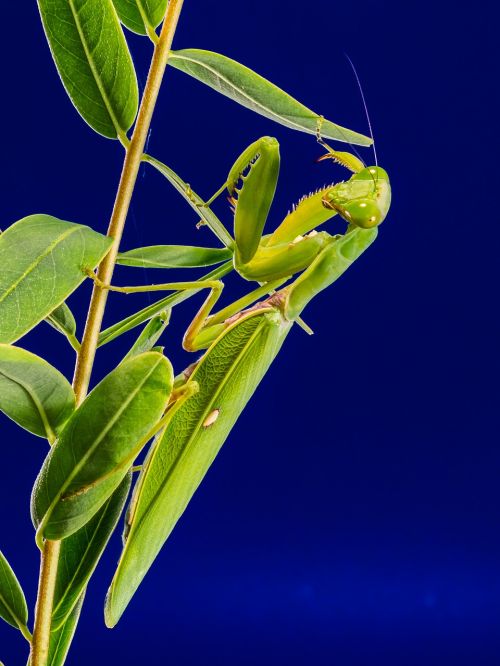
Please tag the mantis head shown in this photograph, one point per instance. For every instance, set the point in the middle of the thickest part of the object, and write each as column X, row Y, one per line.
column 363, row 200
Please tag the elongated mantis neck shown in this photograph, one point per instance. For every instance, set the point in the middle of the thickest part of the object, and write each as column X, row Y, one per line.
column 85, row 357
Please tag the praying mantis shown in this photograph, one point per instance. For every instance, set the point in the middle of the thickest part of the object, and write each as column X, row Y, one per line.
column 242, row 341
column 193, row 414
column 295, row 246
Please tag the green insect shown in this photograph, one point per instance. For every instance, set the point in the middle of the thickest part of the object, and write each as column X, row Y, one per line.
column 242, row 339
column 363, row 202
column 240, row 350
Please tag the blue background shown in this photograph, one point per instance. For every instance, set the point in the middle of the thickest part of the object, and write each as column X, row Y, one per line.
column 352, row 517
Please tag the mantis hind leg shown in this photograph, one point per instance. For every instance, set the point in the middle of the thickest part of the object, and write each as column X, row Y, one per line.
column 198, row 324
column 203, row 329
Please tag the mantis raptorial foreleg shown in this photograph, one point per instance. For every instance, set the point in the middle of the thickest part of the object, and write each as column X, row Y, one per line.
column 362, row 202
column 227, row 375
column 251, row 183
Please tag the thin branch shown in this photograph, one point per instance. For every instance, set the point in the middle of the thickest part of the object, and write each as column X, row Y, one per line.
column 86, row 354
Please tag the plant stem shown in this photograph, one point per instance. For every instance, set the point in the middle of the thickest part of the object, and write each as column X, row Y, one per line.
column 128, row 179
column 46, row 585
column 86, row 354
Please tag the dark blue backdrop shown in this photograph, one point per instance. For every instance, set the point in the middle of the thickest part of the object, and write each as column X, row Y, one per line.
column 352, row 517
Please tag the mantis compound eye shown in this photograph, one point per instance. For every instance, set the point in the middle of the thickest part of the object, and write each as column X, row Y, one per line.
column 364, row 213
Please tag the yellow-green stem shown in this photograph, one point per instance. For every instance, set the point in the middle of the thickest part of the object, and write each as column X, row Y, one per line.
column 130, row 170
column 41, row 633
column 86, row 354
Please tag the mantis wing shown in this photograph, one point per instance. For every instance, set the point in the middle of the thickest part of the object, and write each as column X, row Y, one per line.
column 227, row 375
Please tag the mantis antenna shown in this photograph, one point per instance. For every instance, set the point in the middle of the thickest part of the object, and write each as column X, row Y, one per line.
column 365, row 106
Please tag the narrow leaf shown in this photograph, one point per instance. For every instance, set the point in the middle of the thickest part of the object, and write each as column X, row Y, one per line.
column 251, row 90
column 197, row 204
column 99, row 443
column 33, row 393
column 150, row 335
column 141, row 16
column 81, row 552
column 166, row 303
column 13, row 608
column 93, row 60
column 60, row 639
column 42, row 260
column 179, row 459
column 62, row 320
column 174, row 256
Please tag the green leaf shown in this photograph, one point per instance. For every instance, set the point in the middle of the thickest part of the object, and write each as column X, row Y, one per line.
column 13, row 608
column 196, row 202
column 179, row 459
column 33, row 393
column 141, row 16
column 150, row 335
column 60, row 639
column 42, row 260
column 166, row 303
column 173, row 256
column 244, row 86
column 93, row 61
column 81, row 552
column 62, row 320
column 99, row 444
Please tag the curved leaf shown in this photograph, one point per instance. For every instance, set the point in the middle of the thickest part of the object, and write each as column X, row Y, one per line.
column 197, row 204
column 150, row 335
column 42, row 259
column 33, row 393
column 141, row 16
column 227, row 376
column 81, row 552
column 13, row 608
column 62, row 320
column 93, row 61
column 99, row 443
column 249, row 89
column 174, row 256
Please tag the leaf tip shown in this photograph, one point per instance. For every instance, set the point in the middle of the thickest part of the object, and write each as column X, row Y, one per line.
column 111, row 617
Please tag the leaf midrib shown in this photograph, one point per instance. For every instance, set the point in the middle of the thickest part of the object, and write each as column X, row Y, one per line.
column 93, row 69
column 212, row 401
column 47, row 252
column 195, row 201
column 135, row 527
column 38, row 405
column 92, row 449
column 144, row 16
column 246, row 96
column 78, row 569
column 12, row 612
column 269, row 112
